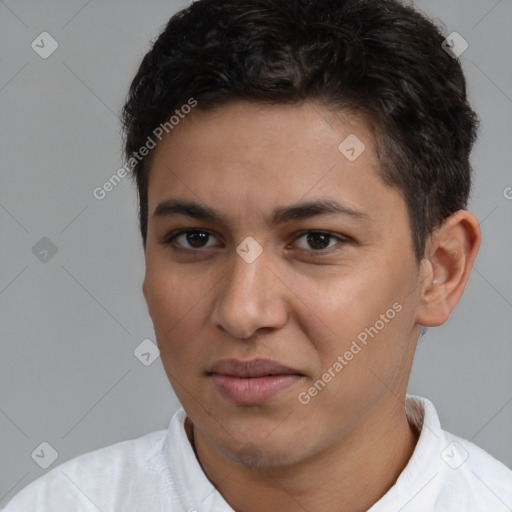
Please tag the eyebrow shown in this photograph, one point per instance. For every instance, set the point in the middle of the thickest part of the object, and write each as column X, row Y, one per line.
column 280, row 215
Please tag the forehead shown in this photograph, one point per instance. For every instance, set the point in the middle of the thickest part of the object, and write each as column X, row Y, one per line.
column 246, row 158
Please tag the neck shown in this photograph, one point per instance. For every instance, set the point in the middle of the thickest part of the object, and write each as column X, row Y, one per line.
column 354, row 473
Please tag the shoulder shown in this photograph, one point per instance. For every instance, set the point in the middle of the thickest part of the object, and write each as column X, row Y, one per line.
column 447, row 473
column 97, row 480
column 483, row 480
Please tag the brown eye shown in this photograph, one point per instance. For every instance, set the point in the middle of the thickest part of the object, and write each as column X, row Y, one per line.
column 190, row 239
column 319, row 240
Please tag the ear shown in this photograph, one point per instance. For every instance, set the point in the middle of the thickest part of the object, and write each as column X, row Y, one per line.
column 145, row 290
column 446, row 266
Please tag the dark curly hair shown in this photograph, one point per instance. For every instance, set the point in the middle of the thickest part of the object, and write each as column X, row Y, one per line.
column 379, row 59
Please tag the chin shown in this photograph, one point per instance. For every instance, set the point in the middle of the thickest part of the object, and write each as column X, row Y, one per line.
column 251, row 455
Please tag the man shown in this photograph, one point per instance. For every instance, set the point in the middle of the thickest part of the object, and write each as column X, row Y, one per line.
column 303, row 173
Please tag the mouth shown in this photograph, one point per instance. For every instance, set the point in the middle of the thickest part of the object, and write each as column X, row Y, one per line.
column 252, row 382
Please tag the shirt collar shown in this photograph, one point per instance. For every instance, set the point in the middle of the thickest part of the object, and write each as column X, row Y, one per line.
column 422, row 471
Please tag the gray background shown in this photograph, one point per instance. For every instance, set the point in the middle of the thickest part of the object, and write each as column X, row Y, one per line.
column 70, row 324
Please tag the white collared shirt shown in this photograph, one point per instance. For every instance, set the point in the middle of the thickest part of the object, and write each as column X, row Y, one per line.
column 160, row 472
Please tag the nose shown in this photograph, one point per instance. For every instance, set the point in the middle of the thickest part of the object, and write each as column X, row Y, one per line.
column 252, row 297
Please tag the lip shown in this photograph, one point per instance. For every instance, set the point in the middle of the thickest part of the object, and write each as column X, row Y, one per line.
column 252, row 382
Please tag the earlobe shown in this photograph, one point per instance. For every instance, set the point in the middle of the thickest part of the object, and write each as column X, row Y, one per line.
column 446, row 267
column 144, row 290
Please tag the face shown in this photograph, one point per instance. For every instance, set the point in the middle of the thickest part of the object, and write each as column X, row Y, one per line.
column 280, row 278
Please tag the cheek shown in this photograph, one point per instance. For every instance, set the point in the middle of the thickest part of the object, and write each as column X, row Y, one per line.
column 346, row 304
column 174, row 303
column 366, row 315
column 364, row 349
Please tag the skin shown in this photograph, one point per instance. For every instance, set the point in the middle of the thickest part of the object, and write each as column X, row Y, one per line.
column 347, row 446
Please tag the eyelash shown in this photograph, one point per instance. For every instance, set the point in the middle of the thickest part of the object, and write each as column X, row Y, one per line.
column 172, row 236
